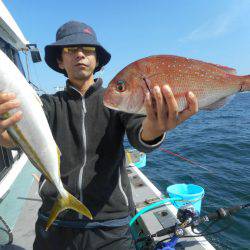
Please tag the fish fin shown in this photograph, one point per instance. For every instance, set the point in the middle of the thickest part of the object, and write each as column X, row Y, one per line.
column 229, row 70
column 67, row 202
column 58, row 151
column 218, row 104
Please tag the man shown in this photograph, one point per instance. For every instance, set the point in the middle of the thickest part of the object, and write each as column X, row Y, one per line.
column 90, row 138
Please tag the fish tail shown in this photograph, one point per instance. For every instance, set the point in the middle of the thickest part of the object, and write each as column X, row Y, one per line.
column 245, row 83
column 66, row 202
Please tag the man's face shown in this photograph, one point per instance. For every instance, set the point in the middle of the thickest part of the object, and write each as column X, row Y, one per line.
column 79, row 62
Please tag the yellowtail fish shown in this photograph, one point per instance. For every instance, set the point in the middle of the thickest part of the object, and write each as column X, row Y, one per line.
column 32, row 133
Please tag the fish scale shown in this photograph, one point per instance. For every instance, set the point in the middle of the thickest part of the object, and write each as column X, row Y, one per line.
column 210, row 82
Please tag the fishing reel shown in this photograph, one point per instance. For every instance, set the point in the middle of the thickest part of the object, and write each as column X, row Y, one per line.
column 187, row 213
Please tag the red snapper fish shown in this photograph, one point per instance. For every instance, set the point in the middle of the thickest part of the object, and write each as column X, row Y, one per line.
column 211, row 83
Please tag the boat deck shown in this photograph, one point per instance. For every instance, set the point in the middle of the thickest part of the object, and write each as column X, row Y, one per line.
column 24, row 229
column 144, row 192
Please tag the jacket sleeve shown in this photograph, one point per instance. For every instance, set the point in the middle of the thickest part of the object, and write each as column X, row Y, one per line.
column 133, row 127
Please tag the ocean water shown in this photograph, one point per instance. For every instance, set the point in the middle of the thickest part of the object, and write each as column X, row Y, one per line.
column 219, row 141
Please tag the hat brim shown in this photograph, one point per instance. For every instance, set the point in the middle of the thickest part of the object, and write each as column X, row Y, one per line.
column 52, row 51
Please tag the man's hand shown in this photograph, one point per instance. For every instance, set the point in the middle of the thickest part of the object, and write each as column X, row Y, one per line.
column 164, row 115
column 7, row 103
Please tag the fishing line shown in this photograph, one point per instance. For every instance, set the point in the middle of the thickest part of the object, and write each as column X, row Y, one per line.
column 185, row 159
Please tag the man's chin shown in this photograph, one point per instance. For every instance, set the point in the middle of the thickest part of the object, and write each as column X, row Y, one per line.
column 83, row 75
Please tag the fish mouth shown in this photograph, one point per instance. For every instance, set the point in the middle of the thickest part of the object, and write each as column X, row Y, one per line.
column 107, row 101
column 110, row 104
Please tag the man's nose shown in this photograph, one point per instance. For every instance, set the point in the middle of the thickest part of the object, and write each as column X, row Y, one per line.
column 80, row 53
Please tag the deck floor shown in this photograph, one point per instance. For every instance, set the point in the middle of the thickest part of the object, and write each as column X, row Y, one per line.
column 24, row 229
column 24, row 232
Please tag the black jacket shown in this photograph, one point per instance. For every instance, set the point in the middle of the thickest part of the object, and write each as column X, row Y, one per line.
column 90, row 138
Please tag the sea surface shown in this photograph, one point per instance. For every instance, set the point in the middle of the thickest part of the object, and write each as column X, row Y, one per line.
column 218, row 140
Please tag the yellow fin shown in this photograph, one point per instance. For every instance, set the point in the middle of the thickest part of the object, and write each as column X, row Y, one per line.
column 64, row 203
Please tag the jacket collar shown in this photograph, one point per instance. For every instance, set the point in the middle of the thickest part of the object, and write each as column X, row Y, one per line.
column 93, row 88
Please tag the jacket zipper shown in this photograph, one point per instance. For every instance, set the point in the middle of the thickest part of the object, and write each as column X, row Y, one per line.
column 80, row 181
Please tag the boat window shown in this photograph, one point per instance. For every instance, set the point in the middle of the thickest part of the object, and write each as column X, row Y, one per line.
column 6, row 48
column 12, row 53
column 17, row 61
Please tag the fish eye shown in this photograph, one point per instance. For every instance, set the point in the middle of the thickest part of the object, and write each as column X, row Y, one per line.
column 121, row 86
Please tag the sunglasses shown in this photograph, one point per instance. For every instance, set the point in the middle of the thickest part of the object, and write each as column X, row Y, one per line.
column 73, row 50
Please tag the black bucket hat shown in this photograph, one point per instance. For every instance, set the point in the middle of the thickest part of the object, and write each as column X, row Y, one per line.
column 74, row 33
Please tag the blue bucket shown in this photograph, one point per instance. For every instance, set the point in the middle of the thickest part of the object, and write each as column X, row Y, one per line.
column 189, row 193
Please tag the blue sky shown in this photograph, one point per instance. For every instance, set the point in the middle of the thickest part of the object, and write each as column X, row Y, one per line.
column 210, row 30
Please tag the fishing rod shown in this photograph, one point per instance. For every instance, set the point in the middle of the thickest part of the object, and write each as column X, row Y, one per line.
column 189, row 218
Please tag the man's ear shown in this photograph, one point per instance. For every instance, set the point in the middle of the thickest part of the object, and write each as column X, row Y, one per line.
column 60, row 64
